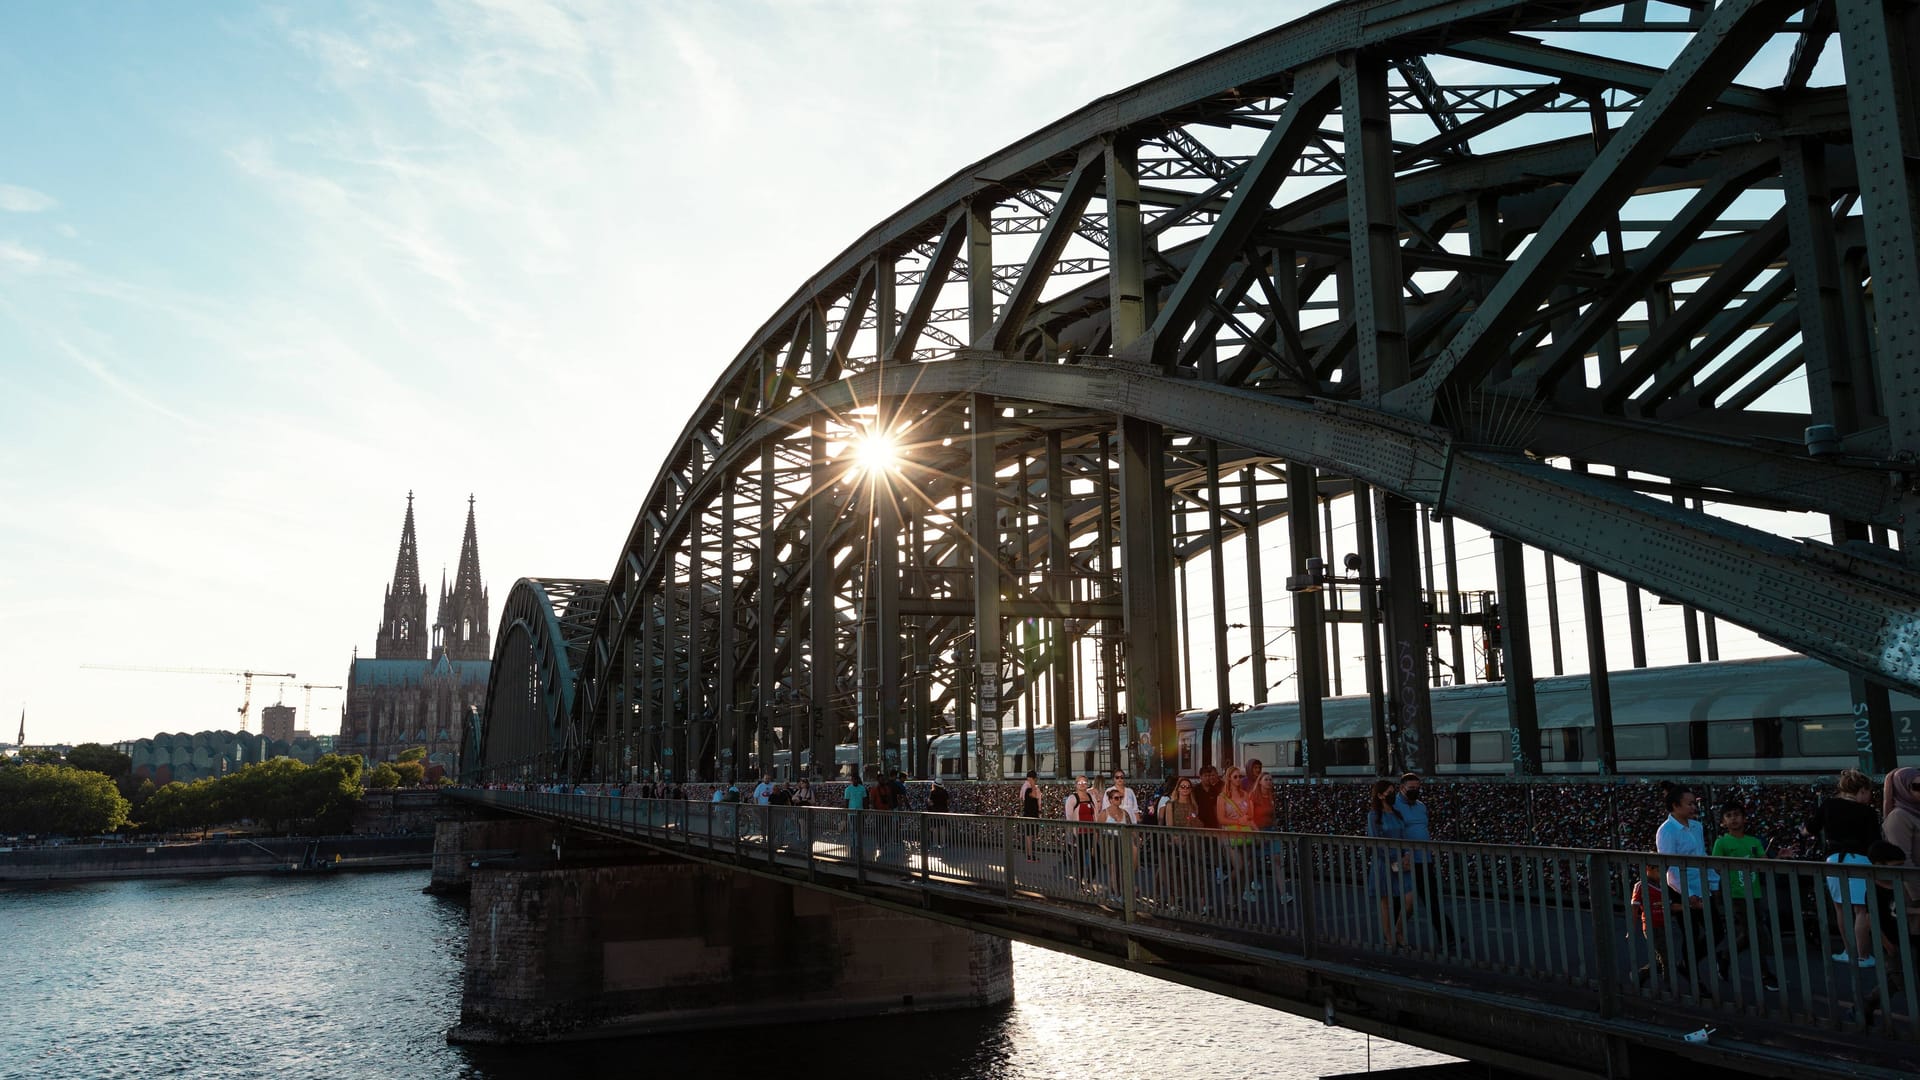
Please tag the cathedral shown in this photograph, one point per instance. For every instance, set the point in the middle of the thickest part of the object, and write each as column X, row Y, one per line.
column 421, row 685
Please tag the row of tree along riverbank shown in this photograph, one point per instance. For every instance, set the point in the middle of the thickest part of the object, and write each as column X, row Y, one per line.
column 92, row 793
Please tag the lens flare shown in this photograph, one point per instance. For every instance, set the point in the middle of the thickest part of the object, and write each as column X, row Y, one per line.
column 876, row 452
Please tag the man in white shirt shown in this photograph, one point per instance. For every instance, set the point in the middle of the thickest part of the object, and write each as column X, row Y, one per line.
column 1682, row 834
column 1127, row 801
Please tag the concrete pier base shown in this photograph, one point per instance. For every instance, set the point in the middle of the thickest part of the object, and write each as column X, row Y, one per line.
column 462, row 836
column 660, row 945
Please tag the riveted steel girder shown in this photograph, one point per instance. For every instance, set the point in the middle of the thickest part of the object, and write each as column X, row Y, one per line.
column 1416, row 245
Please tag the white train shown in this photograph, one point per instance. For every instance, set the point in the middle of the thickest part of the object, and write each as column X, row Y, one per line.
column 1783, row 714
column 1788, row 715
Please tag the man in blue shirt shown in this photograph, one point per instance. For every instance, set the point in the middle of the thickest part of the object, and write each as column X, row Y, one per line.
column 1426, row 872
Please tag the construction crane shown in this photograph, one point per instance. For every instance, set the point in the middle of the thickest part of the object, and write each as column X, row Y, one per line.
column 306, row 709
column 247, row 677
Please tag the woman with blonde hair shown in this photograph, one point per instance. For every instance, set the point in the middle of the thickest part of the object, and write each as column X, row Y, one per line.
column 1390, row 882
column 1235, row 814
column 1847, row 826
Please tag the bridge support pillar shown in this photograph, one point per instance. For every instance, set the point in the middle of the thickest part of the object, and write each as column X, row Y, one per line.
column 654, row 944
column 460, row 837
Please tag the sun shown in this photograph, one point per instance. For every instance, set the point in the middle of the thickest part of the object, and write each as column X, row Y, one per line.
column 876, row 452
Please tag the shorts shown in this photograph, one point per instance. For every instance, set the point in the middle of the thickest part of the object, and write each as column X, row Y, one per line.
column 1848, row 890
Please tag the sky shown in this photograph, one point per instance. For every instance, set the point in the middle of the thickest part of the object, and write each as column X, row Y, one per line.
column 265, row 269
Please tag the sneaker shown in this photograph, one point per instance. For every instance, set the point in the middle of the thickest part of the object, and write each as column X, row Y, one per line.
column 1769, row 983
column 1254, row 888
column 1286, row 898
column 1867, row 962
column 1842, row 957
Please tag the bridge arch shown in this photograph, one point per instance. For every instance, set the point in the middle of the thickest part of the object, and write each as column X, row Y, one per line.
column 527, row 725
column 1305, row 264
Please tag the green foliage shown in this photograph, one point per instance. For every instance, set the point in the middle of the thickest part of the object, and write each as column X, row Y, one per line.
column 41, row 755
column 178, row 806
column 54, row 800
column 418, row 753
column 382, row 776
column 411, row 773
column 106, row 761
column 278, row 794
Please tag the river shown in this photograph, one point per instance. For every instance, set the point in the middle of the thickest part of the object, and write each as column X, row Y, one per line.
column 359, row 975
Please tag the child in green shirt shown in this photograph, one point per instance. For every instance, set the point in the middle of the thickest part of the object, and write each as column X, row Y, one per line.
column 1752, row 928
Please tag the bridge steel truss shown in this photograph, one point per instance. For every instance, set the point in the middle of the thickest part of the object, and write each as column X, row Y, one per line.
column 545, row 631
column 1429, row 255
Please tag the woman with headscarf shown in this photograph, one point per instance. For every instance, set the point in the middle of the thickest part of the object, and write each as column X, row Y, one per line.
column 1901, row 800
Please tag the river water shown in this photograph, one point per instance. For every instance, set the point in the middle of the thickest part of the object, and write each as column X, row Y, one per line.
column 359, row 975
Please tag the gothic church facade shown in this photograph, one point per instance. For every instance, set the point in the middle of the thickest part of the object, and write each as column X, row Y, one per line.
column 423, row 681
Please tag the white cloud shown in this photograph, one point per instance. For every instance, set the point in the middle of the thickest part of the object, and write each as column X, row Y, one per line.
column 23, row 200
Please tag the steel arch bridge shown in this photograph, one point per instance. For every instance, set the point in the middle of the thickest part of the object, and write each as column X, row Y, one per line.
column 1451, row 256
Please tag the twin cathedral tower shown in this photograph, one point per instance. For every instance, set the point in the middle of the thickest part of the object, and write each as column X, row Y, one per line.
column 423, row 681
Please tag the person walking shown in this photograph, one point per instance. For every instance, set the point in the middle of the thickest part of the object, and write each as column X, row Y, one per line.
column 1127, row 800
column 1695, row 888
column 1752, row 923
column 1389, row 881
column 1847, row 827
column 1900, row 799
column 1030, row 807
column 1425, row 870
column 1081, row 806
column 1206, row 796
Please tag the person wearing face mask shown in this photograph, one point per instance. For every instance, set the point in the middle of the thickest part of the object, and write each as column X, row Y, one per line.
column 1426, row 872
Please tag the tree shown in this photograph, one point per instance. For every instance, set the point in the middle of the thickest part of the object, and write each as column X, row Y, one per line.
column 179, row 806
column 383, row 776
column 94, row 757
column 412, row 773
column 41, row 755
column 54, row 800
column 418, row 753
column 332, row 787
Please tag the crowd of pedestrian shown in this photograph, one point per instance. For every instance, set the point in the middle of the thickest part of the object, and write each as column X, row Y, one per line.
column 1682, row 908
column 1677, row 904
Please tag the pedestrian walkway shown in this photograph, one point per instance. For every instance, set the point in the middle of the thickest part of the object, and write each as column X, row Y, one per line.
column 1527, row 928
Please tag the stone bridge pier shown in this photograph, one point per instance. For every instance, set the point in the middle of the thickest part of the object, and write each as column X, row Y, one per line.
column 579, row 937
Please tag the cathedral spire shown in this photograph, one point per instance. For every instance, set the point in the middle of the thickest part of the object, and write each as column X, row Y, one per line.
column 406, row 567
column 403, row 626
column 462, row 621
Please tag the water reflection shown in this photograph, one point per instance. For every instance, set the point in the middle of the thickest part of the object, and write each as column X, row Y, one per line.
column 359, row 975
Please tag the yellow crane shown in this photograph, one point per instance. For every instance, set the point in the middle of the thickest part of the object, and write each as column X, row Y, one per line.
column 246, row 676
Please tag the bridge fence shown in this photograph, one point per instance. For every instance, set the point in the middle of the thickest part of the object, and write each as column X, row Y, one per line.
column 1550, row 924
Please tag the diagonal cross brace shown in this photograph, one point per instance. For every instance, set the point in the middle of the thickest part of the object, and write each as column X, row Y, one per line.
column 1728, row 40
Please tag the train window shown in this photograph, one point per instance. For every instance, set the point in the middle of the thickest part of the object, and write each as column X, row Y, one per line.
column 1186, row 753
column 1488, row 747
column 1289, row 755
column 1826, row 736
column 1757, row 738
column 1350, row 751
column 1014, row 764
column 1730, row 738
column 1043, row 764
column 1640, row 742
column 1563, row 744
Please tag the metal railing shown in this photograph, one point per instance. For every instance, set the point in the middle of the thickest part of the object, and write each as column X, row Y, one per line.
column 1746, row 944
